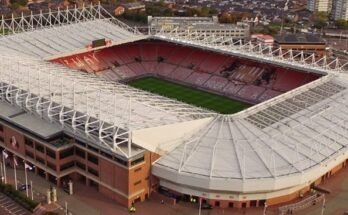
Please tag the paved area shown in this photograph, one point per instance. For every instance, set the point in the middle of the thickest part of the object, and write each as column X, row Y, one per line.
column 40, row 187
column 337, row 200
column 9, row 207
column 87, row 201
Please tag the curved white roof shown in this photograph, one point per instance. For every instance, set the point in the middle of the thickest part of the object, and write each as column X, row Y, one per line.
column 283, row 138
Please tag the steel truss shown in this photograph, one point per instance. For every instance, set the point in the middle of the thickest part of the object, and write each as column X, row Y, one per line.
column 299, row 60
column 60, row 17
column 85, row 105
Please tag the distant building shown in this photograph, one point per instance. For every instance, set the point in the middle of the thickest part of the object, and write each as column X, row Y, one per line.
column 135, row 6
column 309, row 43
column 263, row 39
column 340, row 9
column 319, row 5
column 202, row 25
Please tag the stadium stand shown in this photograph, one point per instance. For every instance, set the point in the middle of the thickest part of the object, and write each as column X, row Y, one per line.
column 180, row 73
column 216, row 83
column 195, row 59
column 216, row 72
column 233, row 87
column 149, row 51
column 198, row 78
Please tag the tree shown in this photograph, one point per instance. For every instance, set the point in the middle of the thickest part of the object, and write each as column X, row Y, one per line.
column 320, row 19
column 233, row 17
column 342, row 24
column 18, row 3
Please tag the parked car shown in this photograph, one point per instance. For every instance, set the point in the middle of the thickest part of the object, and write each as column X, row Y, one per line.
column 206, row 206
column 23, row 187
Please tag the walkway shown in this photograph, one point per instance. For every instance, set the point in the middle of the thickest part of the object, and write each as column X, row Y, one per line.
column 9, row 207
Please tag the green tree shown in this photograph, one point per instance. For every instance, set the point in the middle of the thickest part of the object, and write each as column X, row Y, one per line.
column 320, row 19
column 19, row 2
column 342, row 24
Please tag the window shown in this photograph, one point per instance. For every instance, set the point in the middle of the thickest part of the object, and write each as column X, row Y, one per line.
column 105, row 154
column 66, row 153
column 67, row 165
column 137, row 169
column 51, row 153
column 118, row 160
column 217, row 203
column 40, row 160
column 79, row 152
column 93, row 171
column 80, row 143
column 80, row 165
column 1, row 127
column 28, row 142
column 93, row 159
column 1, row 139
column 29, row 154
column 93, row 148
column 137, row 183
column 51, row 166
column 39, row 148
column 136, row 161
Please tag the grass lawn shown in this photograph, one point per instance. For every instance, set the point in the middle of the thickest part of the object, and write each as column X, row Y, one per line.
column 189, row 95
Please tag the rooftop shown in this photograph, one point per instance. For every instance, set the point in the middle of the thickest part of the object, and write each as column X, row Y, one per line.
column 299, row 38
column 29, row 122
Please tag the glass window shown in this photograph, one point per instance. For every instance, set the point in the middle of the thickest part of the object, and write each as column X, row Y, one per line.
column 28, row 142
column 93, row 158
column 137, row 161
column 93, row 171
column 80, row 165
column 66, row 153
column 67, row 165
column 79, row 152
column 39, row 148
column 51, row 153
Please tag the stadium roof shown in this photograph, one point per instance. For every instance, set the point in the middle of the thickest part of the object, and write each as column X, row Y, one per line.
column 297, row 60
column 46, row 35
column 290, row 135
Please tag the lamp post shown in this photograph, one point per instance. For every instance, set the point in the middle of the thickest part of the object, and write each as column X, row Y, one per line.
column 265, row 208
column 323, row 207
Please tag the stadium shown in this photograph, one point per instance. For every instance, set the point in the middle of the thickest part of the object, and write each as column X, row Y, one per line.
column 84, row 97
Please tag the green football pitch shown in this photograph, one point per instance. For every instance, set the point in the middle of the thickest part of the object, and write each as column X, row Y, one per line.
column 189, row 95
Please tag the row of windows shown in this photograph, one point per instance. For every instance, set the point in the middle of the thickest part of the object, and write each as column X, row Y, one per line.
column 79, row 152
column 40, row 148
